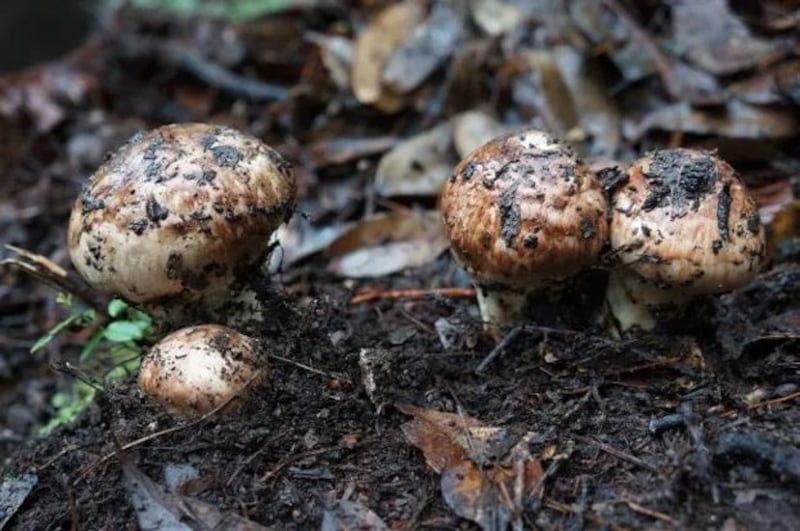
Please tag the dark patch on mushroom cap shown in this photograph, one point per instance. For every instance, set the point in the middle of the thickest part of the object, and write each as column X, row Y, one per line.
column 679, row 178
column 723, row 212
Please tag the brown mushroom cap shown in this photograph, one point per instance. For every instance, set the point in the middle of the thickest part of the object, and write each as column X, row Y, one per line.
column 175, row 211
column 523, row 209
column 684, row 218
column 195, row 369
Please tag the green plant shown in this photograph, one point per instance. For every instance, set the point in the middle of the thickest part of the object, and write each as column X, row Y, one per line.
column 115, row 345
column 231, row 10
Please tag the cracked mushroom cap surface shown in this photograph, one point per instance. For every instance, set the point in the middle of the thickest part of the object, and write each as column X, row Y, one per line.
column 523, row 209
column 685, row 218
column 195, row 369
column 176, row 210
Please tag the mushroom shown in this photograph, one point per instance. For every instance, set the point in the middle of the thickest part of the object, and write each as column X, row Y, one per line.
column 683, row 225
column 522, row 213
column 179, row 215
column 196, row 369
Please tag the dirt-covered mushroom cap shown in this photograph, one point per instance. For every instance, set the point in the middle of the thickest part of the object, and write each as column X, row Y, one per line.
column 195, row 369
column 682, row 225
column 176, row 211
column 522, row 210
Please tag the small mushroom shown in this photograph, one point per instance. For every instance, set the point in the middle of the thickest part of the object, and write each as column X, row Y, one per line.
column 178, row 215
column 683, row 225
column 196, row 369
column 522, row 212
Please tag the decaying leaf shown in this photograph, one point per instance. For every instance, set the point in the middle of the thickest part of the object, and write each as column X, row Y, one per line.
column 735, row 120
column 417, row 166
column 340, row 150
column 488, row 473
column 780, row 84
column 337, row 56
column 607, row 30
column 715, row 39
column 157, row 509
column 540, row 90
column 495, row 17
column 388, row 243
column 301, row 238
column 598, row 114
column 427, row 47
column 346, row 515
column 13, row 492
column 374, row 46
column 472, row 129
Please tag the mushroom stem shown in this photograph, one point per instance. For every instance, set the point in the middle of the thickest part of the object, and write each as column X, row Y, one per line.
column 500, row 308
column 630, row 302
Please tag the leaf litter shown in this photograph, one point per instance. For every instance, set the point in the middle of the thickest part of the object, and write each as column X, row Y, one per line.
column 374, row 105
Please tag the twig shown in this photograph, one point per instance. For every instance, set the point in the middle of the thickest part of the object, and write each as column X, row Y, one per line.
column 412, row 294
column 657, row 364
column 52, row 274
column 498, row 349
column 566, row 508
column 641, row 509
column 620, row 454
column 289, row 459
column 150, row 437
column 309, row 368
column 775, row 400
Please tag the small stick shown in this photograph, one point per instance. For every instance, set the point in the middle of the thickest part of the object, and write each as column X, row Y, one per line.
column 641, row 509
column 498, row 349
column 167, row 431
column 620, row 454
column 775, row 400
column 412, row 294
column 52, row 274
column 309, row 368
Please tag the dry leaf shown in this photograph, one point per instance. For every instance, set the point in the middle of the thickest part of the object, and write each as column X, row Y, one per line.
column 385, row 33
column 598, row 113
column 735, row 120
column 428, row 46
column 388, row 243
column 715, row 39
column 341, row 150
column 472, row 129
column 417, row 166
column 336, row 53
column 299, row 239
column 346, row 515
column 495, row 17
column 488, row 473
column 541, row 91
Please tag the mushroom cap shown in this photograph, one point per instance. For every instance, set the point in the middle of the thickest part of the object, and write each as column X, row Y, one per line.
column 195, row 369
column 522, row 209
column 176, row 211
column 685, row 218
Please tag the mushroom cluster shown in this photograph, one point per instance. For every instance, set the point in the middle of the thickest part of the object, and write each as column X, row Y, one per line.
column 682, row 225
column 178, row 216
column 522, row 212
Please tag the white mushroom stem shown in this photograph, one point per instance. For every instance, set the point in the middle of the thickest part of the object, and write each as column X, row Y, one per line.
column 500, row 308
column 631, row 301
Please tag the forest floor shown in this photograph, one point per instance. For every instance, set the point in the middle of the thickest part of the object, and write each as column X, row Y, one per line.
column 375, row 414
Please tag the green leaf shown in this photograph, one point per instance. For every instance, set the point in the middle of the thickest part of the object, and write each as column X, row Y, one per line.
column 116, row 307
column 123, row 331
column 81, row 318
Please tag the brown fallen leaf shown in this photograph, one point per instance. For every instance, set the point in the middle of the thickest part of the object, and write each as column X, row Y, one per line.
column 717, row 40
column 777, row 85
column 374, row 46
column 418, row 165
column 472, row 129
column 388, row 243
column 488, row 473
column 540, row 91
column 735, row 120
column 341, row 150
column 427, row 47
column 346, row 515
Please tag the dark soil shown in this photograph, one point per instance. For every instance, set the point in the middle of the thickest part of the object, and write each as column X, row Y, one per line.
column 696, row 428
